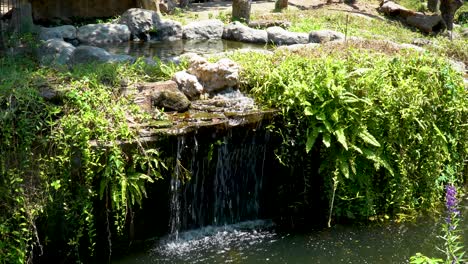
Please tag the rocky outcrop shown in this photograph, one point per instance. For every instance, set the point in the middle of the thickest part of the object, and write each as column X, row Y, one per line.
column 66, row 32
column 140, row 22
column 205, row 29
column 279, row 36
column 239, row 32
column 215, row 76
column 269, row 23
column 55, row 52
column 188, row 84
column 322, row 36
column 103, row 33
column 89, row 54
column 163, row 95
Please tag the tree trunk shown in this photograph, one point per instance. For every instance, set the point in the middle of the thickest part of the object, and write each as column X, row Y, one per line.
column 448, row 9
column 281, row 4
column 241, row 10
column 433, row 5
column 150, row 5
column 184, row 3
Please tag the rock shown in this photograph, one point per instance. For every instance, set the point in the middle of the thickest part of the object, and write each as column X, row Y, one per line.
column 322, row 36
column 103, row 33
column 165, row 95
column 426, row 23
column 464, row 32
column 215, row 76
column 205, row 29
column 188, row 84
column 87, row 54
column 121, row 58
column 167, row 30
column 239, row 32
column 412, row 47
column 279, row 36
column 140, row 22
column 55, row 52
column 421, row 42
column 458, row 66
column 269, row 23
column 66, row 32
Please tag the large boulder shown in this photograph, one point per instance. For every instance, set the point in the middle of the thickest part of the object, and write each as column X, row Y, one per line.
column 188, row 84
column 140, row 22
column 103, row 33
column 55, row 52
column 239, row 32
column 205, row 29
column 323, row 36
column 167, row 30
column 279, row 36
column 66, row 32
column 165, row 95
column 215, row 76
column 90, row 54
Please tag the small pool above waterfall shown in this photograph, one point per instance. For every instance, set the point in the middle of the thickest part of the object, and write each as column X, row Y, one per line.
column 165, row 50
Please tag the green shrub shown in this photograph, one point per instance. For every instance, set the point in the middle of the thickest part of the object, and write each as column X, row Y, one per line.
column 386, row 126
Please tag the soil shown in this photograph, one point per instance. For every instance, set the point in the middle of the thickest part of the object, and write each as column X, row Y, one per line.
column 265, row 9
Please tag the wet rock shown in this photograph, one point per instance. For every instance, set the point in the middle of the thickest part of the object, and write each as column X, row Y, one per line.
column 140, row 22
column 239, row 32
column 55, row 52
column 165, row 95
column 279, row 36
column 215, row 76
column 66, row 32
column 167, row 30
column 205, row 29
column 188, row 84
column 103, row 33
column 322, row 36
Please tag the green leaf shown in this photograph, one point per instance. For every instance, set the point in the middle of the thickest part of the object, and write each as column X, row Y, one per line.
column 340, row 136
column 343, row 164
column 326, row 140
column 368, row 137
column 311, row 138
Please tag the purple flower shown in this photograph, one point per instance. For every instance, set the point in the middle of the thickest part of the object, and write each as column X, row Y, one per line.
column 451, row 202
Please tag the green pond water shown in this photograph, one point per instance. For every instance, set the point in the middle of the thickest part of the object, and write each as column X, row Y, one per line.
column 258, row 242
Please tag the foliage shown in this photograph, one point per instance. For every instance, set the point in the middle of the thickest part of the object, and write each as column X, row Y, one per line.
column 59, row 159
column 385, row 126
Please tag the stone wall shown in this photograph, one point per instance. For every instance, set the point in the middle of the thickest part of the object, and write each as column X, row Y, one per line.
column 63, row 9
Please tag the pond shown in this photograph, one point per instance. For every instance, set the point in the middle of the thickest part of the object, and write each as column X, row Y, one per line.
column 258, row 242
column 165, row 50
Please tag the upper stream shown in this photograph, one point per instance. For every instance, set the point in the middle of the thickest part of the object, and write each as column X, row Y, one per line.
column 165, row 50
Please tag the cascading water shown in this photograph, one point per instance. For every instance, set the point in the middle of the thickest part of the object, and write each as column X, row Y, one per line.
column 225, row 181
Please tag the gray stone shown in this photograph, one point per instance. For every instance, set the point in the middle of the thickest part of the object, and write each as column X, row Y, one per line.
column 239, row 32
column 66, row 32
column 205, row 29
column 167, row 30
column 188, row 84
column 121, row 58
column 279, row 36
column 458, row 66
column 165, row 95
column 140, row 22
column 55, row 52
column 464, row 32
column 103, row 33
column 323, row 36
column 425, row 23
column 215, row 76
column 88, row 54
column 269, row 23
